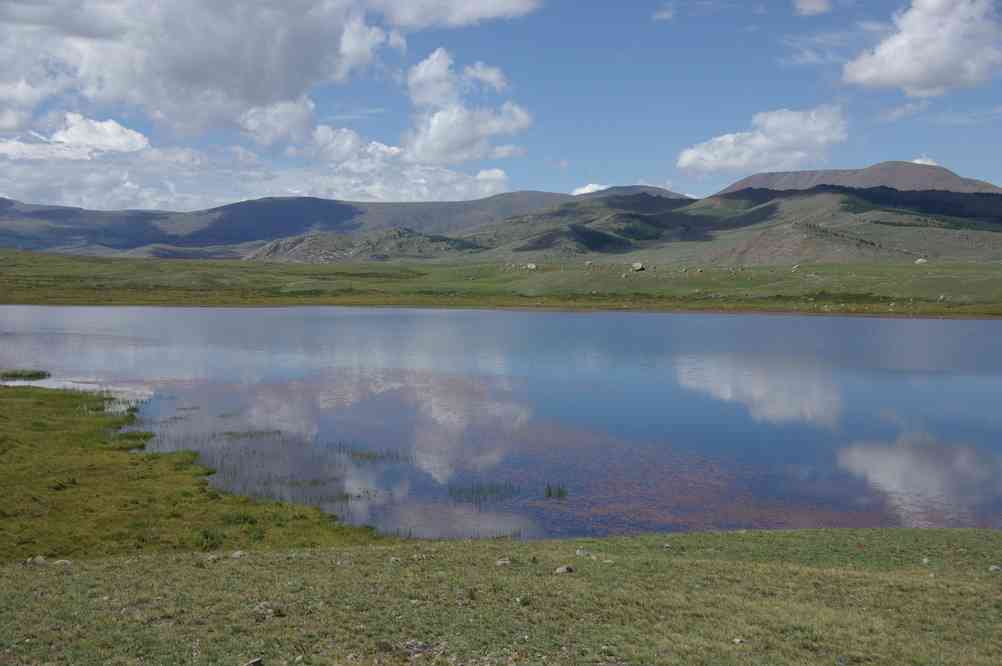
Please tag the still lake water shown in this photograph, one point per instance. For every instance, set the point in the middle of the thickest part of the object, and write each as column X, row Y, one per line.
column 453, row 423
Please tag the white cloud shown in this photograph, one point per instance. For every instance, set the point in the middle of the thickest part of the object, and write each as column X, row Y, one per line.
column 184, row 179
column 811, row 7
column 425, row 13
column 486, row 75
column 446, row 130
column 195, row 64
column 432, row 82
column 665, row 13
column 772, row 391
column 459, row 134
column 778, row 140
column 937, row 45
column 79, row 138
column 106, row 135
column 926, row 160
column 590, row 188
column 282, row 121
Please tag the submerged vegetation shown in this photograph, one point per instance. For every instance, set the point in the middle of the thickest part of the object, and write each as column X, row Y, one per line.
column 23, row 375
column 555, row 491
column 896, row 288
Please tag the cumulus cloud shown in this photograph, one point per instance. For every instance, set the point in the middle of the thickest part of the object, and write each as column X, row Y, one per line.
column 773, row 392
column 282, row 121
column 80, row 138
column 778, row 140
column 936, row 45
column 190, row 180
column 589, row 189
column 811, row 7
column 459, row 133
column 197, row 64
column 446, row 129
column 200, row 67
column 926, row 160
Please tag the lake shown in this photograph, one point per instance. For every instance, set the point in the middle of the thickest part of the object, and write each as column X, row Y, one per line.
column 539, row 424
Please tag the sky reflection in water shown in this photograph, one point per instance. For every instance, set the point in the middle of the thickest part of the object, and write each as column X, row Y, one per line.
column 452, row 424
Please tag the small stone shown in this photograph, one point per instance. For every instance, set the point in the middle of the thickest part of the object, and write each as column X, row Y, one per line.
column 925, row 561
column 921, row 262
column 638, row 267
column 994, row 568
column 581, row 552
column 503, row 562
column 565, row 570
column 530, row 267
column 255, row 662
column 795, row 268
column 264, row 610
column 238, row 555
column 63, row 563
column 395, row 560
column 38, row 561
column 739, row 641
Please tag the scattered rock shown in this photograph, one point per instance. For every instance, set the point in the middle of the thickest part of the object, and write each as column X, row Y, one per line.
column 568, row 569
column 417, row 648
column 589, row 264
column 699, row 270
column 522, row 601
column 265, row 611
column 623, row 276
column 739, row 641
column 530, row 267
column 503, row 562
column 795, row 268
column 37, row 561
column 63, row 563
column 925, row 561
column 238, row 555
column 395, row 560
column 581, row 552
column 921, row 262
column 255, row 662
column 638, row 267
column 994, row 568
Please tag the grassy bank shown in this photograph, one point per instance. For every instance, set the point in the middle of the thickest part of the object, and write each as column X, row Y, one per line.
column 879, row 288
column 71, row 488
column 146, row 584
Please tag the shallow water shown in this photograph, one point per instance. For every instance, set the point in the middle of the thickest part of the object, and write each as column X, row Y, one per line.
column 455, row 423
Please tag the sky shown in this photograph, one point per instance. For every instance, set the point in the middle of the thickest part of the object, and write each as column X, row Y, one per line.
column 186, row 104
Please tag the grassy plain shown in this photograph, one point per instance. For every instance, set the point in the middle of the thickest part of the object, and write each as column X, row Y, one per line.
column 144, row 583
column 957, row 289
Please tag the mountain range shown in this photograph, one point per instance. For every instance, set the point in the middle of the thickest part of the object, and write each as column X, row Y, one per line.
column 893, row 210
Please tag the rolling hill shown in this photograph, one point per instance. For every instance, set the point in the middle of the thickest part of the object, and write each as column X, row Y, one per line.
column 905, row 176
column 242, row 227
column 891, row 211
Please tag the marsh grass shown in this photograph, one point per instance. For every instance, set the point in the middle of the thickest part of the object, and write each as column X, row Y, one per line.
column 76, row 485
column 484, row 493
column 555, row 491
column 23, row 375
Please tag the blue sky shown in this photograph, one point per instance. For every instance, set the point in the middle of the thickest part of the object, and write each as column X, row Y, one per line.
column 116, row 103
